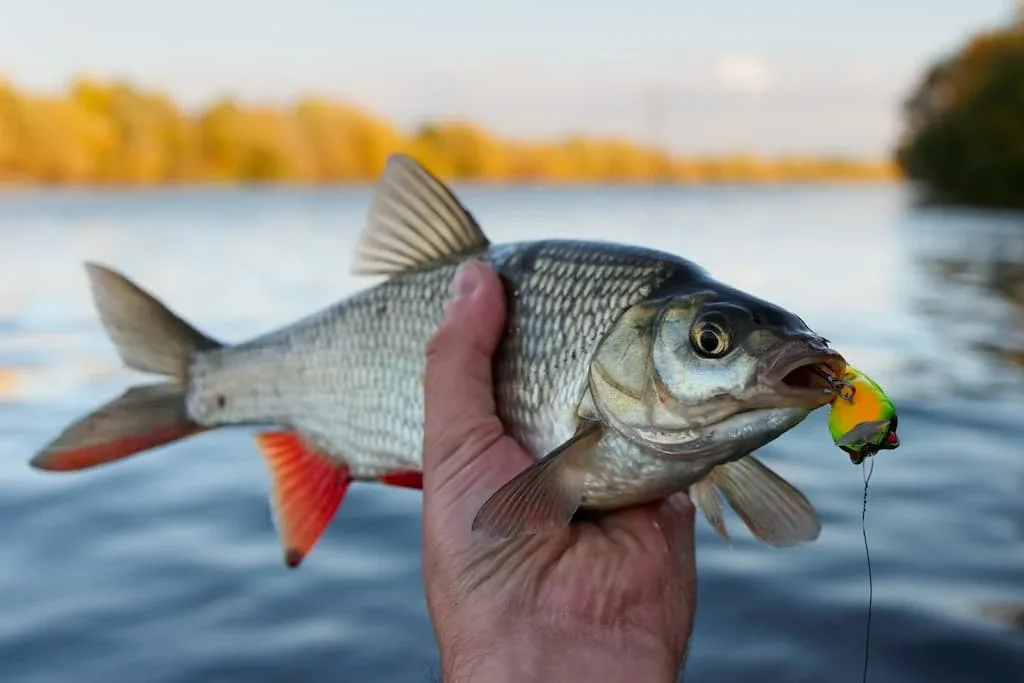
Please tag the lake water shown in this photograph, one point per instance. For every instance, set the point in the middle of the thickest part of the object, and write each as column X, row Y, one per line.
column 165, row 568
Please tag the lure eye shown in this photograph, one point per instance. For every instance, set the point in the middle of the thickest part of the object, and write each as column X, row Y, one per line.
column 710, row 336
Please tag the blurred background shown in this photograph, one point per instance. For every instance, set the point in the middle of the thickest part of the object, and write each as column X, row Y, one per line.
column 859, row 163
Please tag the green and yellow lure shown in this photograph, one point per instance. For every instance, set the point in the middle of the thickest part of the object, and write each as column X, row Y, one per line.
column 863, row 419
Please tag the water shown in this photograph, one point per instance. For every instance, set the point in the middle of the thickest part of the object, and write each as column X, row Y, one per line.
column 165, row 568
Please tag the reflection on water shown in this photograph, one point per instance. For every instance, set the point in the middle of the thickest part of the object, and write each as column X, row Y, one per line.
column 973, row 290
column 1006, row 612
column 167, row 563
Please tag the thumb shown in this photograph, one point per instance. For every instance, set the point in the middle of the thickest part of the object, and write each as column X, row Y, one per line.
column 459, row 415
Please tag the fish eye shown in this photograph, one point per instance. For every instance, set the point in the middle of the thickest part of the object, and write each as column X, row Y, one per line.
column 710, row 336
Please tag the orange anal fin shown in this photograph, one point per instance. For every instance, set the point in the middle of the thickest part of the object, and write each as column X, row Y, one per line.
column 409, row 479
column 306, row 490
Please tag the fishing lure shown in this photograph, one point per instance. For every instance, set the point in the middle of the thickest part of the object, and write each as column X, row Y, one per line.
column 863, row 419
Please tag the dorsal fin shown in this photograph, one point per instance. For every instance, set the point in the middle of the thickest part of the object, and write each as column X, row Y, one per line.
column 414, row 220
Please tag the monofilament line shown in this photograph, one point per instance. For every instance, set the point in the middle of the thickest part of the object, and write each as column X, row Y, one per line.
column 866, row 470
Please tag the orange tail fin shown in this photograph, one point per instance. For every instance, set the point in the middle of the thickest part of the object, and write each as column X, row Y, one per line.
column 142, row 418
column 150, row 338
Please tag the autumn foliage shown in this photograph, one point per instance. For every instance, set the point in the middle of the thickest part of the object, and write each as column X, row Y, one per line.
column 117, row 134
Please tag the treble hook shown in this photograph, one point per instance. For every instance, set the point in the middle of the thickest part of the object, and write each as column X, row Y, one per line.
column 841, row 387
column 838, row 385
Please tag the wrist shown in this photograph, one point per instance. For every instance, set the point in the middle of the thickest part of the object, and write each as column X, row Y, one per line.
column 583, row 658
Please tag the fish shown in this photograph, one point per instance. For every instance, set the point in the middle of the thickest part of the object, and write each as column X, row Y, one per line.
column 627, row 373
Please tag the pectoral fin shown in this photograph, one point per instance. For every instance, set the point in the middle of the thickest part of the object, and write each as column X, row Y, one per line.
column 545, row 495
column 775, row 512
column 705, row 497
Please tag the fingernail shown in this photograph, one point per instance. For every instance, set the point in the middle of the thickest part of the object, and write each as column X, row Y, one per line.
column 681, row 502
column 466, row 280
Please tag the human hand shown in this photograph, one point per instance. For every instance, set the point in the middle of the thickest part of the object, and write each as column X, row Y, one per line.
column 606, row 600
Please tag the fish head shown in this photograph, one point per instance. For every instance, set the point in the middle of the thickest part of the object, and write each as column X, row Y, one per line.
column 710, row 369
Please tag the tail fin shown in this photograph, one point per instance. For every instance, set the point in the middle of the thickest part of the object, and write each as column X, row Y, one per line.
column 148, row 337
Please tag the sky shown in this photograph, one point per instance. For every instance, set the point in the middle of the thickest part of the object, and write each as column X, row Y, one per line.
column 708, row 76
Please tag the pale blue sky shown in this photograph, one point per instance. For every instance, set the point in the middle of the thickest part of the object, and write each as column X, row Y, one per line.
column 797, row 75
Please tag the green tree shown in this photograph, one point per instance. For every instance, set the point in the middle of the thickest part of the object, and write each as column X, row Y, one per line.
column 964, row 136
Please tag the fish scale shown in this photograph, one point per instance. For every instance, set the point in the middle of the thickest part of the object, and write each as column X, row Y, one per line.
column 627, row 374
column 350, row 380
column 550, row 354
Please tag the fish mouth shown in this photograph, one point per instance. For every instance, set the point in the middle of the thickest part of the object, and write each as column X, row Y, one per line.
column 805, row 371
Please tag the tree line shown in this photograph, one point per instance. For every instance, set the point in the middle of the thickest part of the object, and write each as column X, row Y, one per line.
column 115, row 133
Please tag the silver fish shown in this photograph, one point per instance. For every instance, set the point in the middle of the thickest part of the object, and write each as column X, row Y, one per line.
column 628, row 373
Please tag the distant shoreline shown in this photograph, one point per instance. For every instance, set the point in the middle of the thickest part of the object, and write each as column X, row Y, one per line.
column 118, row 136
column 14, row 188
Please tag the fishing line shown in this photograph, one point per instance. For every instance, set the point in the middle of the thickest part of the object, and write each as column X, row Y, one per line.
column 867, row 470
